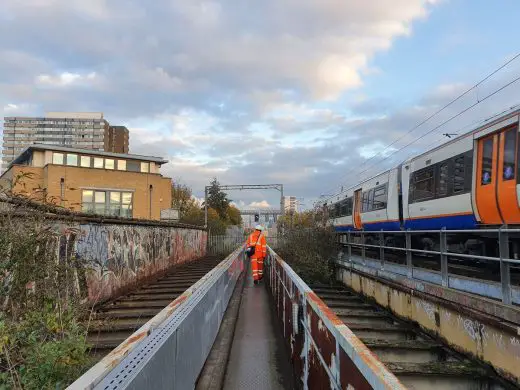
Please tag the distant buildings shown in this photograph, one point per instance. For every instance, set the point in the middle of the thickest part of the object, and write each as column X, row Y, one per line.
column 90, row 180
column 81, row 130
column 289, row 204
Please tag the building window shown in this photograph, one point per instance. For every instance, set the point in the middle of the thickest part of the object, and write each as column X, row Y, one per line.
column 57, row 158
column 72, row 159
column 109, row 163
column 133, row 166
column 121, row 165
column 145, row 167
column 115, row 203
column 98, row 162
column 85, row 161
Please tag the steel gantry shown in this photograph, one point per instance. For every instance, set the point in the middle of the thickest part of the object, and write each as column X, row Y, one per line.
column 242, row 187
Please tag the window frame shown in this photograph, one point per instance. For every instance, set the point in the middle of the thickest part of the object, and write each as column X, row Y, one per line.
column 89, row 161
column 55, row 154
column 384, row 204
column 67, row 159
column 93, row 206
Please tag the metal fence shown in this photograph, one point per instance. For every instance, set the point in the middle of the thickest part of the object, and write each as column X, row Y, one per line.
column 363, row 241
column 169, row 351
column 225, row 244
column 324, row 351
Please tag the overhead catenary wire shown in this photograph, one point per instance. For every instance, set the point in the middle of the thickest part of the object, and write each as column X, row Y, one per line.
column 450, row 103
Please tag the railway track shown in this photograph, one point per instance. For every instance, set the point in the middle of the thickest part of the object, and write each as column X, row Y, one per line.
column 114, row 322
column 419, row 361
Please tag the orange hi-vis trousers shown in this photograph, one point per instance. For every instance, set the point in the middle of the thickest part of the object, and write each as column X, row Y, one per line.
column 257, row 266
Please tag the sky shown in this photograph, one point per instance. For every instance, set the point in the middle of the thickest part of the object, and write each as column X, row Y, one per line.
column 312, row 94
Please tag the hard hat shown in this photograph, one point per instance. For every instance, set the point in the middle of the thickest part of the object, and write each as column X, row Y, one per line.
column 259, row 227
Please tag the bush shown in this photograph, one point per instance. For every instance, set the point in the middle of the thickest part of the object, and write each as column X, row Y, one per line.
column 44, row 349
column 42, row 341
column 310, row 252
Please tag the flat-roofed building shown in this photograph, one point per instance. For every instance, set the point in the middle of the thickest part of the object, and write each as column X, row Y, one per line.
column 97, row 182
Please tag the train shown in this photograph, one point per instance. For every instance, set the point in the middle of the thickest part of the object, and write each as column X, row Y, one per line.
column 468, row 183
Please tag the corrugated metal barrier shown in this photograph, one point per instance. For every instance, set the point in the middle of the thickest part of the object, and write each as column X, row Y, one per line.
column 324, row 351
column 169, row 351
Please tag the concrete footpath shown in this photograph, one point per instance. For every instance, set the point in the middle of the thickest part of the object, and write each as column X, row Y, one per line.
column 258, row 359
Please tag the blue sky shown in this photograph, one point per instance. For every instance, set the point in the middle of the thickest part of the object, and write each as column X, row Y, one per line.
column 301, row 92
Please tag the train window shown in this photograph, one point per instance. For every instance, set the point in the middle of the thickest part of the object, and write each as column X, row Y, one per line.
column 370, row 205
column 380, row 197
column 509, row 154
column 442, row 189
column 331, row 211
column 337, row 210
column 458, row 174
column 349, row 206
column 487, row 161
column 343, row 207
column 424, row 184
column 364, row 202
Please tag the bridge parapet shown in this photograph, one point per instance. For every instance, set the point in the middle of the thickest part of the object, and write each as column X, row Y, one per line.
column 324, row 350
column 169, row 351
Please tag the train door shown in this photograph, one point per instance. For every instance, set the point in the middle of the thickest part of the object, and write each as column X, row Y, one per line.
column 496, row 194
column 357, row 209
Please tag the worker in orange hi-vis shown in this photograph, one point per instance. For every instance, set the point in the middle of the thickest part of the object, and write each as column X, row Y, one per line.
column 256, row 249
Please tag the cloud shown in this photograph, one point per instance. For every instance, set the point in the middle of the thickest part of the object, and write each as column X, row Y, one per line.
column 65, row 79
column 276, row 91
column 259, row 205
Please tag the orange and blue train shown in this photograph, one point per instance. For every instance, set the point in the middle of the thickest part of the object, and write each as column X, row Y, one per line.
column 470, row 182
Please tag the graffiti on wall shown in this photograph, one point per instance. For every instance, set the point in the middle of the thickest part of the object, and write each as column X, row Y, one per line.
column 117, row 257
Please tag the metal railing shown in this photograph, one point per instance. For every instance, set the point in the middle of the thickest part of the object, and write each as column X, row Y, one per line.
column 225, row 244
column 169, row 351
column 358, row 239
column 324, row 351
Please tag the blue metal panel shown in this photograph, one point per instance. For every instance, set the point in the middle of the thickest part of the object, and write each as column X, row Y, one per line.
column 448, row 222
column 383, row 225
column 343, row 228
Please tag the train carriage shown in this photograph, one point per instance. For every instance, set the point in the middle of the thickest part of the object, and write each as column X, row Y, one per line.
column 371, row 205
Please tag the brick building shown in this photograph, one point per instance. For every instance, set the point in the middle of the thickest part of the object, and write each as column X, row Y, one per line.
column 91, row 181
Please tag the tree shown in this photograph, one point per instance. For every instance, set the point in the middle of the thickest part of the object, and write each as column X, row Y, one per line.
column 218, row 200
column 181, row 198
column 233, row 216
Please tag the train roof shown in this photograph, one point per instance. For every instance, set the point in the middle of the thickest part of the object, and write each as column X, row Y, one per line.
column 515, row 110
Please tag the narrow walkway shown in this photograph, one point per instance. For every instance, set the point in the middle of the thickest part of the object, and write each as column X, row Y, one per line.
column 259, row 359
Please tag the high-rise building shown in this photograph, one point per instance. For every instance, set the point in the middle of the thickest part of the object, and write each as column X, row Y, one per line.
column 84, row 130
column 117, row 139
column 289, row 204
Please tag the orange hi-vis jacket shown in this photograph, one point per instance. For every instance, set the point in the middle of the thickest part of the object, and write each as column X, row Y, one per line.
column 257, row 260
column 261, row 245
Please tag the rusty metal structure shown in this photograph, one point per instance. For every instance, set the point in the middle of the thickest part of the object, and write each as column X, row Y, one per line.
column 414, row 357
column 325, row 352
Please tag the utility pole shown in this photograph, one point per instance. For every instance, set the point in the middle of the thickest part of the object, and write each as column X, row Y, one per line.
column 206, row 207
